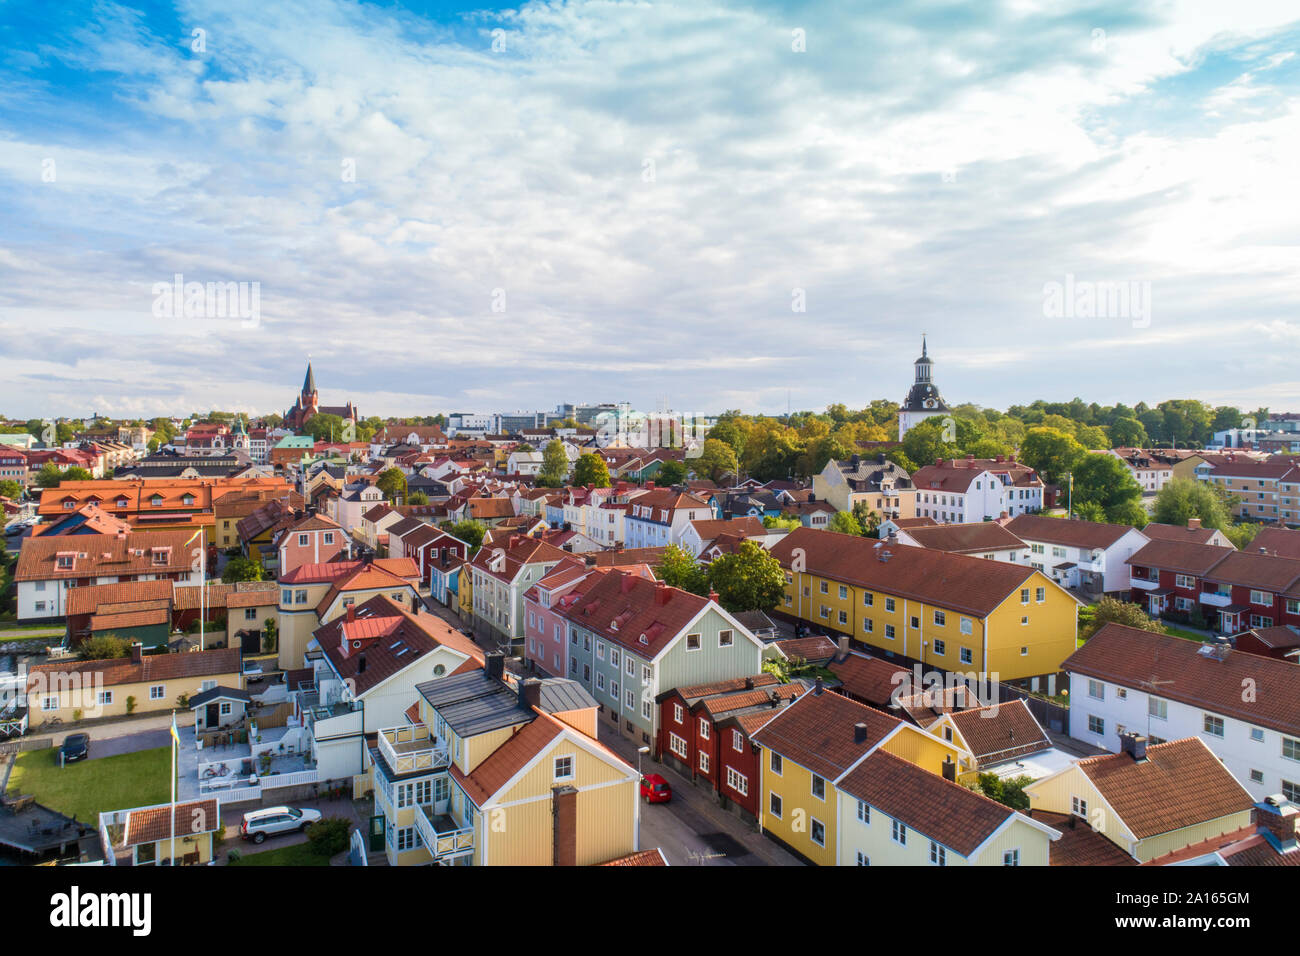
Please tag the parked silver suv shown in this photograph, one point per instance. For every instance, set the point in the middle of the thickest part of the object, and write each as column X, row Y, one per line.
column 260, row 824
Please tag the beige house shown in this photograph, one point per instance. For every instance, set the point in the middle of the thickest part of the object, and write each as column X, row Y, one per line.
column 143, row 836
column 883, row 486
column 138, row 684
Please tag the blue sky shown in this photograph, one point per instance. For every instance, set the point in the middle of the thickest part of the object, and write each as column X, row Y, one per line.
column 619, row 202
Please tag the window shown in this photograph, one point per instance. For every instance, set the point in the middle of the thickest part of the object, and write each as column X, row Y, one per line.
column 1213, row 725
column 1024, row 595
column 776, row 763
column 1184, row 581
column 966, row 625
column 1257, row 776
column 1158, row 707
column 899, row 833
column 1290, row 748
column 302, row 541
column 774, row 804
column 824, row 588
column 889, row 631
column 864, row 811
column 1121, row 693
column 869, row 599
column 106, row 697
column 940, row 618
column 329, row 537
column 916, row 621
column 889, row 605
column 966, row 656
column 704, row 728
column 1040, row 595
column 1096, row 690
column 818, row 787
column 844, row 592
column 737, row 782
column 1291, row 791
column 1096, row 725
column 600, row 650
column 818, row 832
column 679, row 713
column 1078, row 806
column 868, row 625
column 704, row 762
column 1262, row 598
column 863, row 859
column 50, row 703
column 940, row 647
column 1011, row 857
column 938, row 855
column 613, row 656
column 677, row 745
column 692, row 642
column 725, row 638
column 406, row 839
column 600, row 681
column 1257, row 735
column 563, row 768
column 157, row 692
column 737, row 741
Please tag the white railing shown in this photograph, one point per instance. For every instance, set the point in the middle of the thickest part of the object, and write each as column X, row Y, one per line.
column 401, row 750
column 1144, row 584
column 277, row 780
column 1215, row 599
column 446, row 843
column 237, row 795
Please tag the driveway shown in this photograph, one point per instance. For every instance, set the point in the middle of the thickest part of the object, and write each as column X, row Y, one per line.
column 127, row 743
column 234, row 815
column 691, row 829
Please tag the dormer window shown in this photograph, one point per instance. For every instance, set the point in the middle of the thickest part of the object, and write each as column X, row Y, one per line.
column 162, row 555
column 156, row 500
column 122, row 502
column 65, row 561
column 68, row 505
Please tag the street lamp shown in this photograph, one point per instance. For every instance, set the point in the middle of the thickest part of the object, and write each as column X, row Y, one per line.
column 639, row 752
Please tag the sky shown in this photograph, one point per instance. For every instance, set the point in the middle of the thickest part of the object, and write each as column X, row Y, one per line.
column 699, row 205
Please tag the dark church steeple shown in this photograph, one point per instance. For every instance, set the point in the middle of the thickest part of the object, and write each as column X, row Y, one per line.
column 309, row 383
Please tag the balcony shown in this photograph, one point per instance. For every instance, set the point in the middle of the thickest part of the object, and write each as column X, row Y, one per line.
column 442, row 836
column 1143, row 584
column 1216, row 598
column 412, row 749
column 1095, row 563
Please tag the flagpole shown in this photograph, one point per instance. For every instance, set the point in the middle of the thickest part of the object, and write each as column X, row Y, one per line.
column 175, row 745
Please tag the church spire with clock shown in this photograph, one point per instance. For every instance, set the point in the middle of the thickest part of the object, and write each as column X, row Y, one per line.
column 923, row 399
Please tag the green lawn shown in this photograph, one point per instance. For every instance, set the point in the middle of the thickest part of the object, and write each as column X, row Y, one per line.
column 1190, row 635
column 298, row 854
column 89, row 787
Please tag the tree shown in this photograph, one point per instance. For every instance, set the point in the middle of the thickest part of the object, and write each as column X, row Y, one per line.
column 417, row 498
column 242, row 569
column 1111, row 611
column 748, row 579
column 866, row 518
column 1104, row 480
column 1009, row 792
column 392, row 482
column 10, row 489
column 781, row 521
column 1128, row 433
column 1242, row 535
column 590, row 469
column 716, row 458
column 670, row 473
column 843, row 522
column 324, row 427
column 1185, row 498
column 104, row 646
column 1051, row 452
column 468, row 531
column 270, row 633
column 678, row 568
column 555, row 465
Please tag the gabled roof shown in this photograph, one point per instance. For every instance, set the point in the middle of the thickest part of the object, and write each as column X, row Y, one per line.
column 1280, row 541
column 105, row 555
column 1154, row 530
column 152, row 824
column 817, row 731
column 1182, row 556
column 153, row 667
column 953, row 581
column 873, row 679
column 641, row 615
column 1000, row 731
column 1061, row 531
column 1080, row 844
column 88, row 599
column 955, row 816
column 956, row 475
column 976, row 537
column 1180, row 784
column 1134, row 658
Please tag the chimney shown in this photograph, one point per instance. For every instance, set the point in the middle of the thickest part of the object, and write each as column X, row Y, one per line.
column 352, row 613
column 494, row 663
column 774, row 699
column 844, row 648
column 1133, row 744
column 649, row 486
column 626, row 584
column 530, row 692
column 713, row 596
column 590, row 560
column 818, row 687
column 949, row 769
column 361, row 663
column 749, row 683
column 137, row 652
column 564, row 826
column 859, row 733
column 1193, row 524
column 855, row 460
column 1279, row 822
column 880, row 458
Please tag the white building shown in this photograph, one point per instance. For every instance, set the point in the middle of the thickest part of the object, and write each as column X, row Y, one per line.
column 923, row 399
column 1083, row 555
column 1244, row 707
column 958, row 490
column 659, row 517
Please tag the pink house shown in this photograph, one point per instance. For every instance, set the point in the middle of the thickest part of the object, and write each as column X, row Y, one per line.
column 313, row 540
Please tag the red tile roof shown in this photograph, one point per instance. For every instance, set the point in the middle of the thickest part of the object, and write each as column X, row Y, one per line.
column 1072, row 534
column 817, row 731
column 1133, row 658
column 872, row 679
column 634, row 612
column 105, row 555
column 1180, row 784
column 156, row 823
column 1000, row 731
column 977, row 537
column 154, row 667
column 1080, row 844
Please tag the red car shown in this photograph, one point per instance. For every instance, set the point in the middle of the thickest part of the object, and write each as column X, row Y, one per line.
column 655, row 789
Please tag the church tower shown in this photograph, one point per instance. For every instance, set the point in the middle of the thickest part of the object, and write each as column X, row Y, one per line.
column 923, row 399
column 309, row 400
